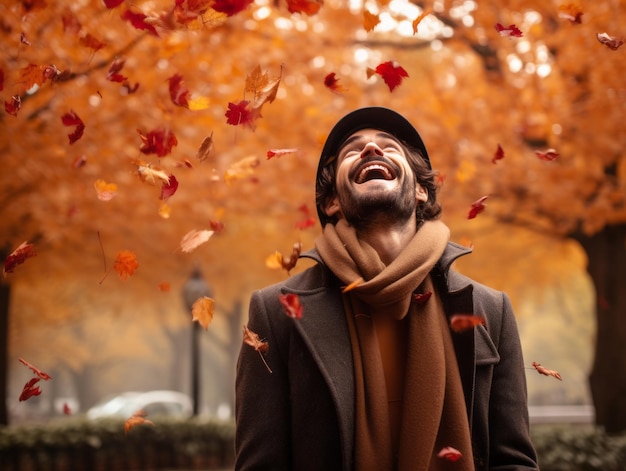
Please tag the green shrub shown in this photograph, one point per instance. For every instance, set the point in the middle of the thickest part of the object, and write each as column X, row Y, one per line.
column 579, row 448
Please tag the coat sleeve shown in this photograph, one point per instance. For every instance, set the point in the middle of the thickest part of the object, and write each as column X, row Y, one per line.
column 262, row 438
column 509, row 437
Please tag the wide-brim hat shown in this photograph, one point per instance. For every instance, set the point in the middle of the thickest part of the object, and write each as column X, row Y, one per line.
column 373, row 117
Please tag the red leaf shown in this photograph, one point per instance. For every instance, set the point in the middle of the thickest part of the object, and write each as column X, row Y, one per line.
column 231, row 7
column 72, row 119
column 168, row 189
column 37, row 371
column 463, row 322
column 112, row 3
column 13, row 106
column 30, row 389
column 240, row 113
column 499, row 155
column 309, row 220
column 546, row 372
column 24, row 39
column 511, row 30
column 571, row 12
column 18, row 256
column 548, row 155
column 1, row 79
column 392, row 73
column 477, row 207
column 611, row 42
column 66, row 409
column 159, row 142
column 280, row 152
column 421, row 298
column 138, row 20
column 116, row 66
column 178, row 93
column 332, row 83
column 308, row 7
column 291, row 303
column 91, row 42
column 450, row 454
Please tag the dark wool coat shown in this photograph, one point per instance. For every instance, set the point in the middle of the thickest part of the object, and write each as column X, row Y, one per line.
column 300, row 416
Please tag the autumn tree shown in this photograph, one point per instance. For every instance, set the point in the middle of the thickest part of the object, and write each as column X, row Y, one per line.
column 129, row 124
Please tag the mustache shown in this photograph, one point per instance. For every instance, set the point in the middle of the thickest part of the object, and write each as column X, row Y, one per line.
column 373, row 158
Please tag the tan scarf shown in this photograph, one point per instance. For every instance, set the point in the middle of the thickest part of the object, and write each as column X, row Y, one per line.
column 433, row 409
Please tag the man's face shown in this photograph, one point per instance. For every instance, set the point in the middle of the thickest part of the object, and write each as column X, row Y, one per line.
column 374, row 182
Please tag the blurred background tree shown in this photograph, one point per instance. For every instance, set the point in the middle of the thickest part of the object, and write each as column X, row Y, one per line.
column 469, row 90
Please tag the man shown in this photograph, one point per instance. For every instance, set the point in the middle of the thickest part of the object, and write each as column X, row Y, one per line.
column 372, row 377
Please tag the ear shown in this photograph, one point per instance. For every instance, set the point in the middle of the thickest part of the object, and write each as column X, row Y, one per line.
column 421, row 194
column 332, row 207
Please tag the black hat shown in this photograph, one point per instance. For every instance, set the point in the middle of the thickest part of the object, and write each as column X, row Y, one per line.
column 374, row 117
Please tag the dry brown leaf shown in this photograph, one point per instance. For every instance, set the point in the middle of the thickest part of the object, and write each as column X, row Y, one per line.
column 202, row 311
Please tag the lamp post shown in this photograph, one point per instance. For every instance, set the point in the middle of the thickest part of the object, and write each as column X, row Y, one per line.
column 195, row 288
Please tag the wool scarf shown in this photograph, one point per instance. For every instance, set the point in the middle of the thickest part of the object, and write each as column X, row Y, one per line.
column 433, row 406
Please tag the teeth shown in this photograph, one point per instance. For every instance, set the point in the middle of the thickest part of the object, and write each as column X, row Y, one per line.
column 372, row 167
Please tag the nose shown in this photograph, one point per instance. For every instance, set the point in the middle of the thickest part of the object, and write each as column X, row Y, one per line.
column 371, row 148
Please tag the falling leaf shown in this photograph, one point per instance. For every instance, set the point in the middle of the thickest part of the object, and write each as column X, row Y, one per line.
column 105, row 191
column 463, row 322
column 125, row 264
column 18, row 256
column 241, row 169
column 544, row 371
column 499, row 154
column 421, row 298
column 178, row 93
column 308, row 7
column 164, row 286
column 251, row 338
column 91, row 42
column 24, row 39
column 112, row 3
column 370, row 20
column 206, row 149
column 138, row 20
column 280, row 152
column 72, row 119
column 352, row 285
column 511, row 31
column 392, row 73
column 288, row 263
column 31, row 75
column 168, row 189
column 419, row 19
column 113, row 74
column 240, row 114
column 291, row 304
column 609, row 41
column 571, row 12
column 40, row 374
column 308, row 221
column 332, row 83
column 159, row 142
column 199, row 103
column 193, row 239
column 165, row 211
column 13, row 106
column 477, row 207
column 66, row 409
column 450, row 454
column 138, row 418
column 548, row 155
column 1, row 79
column 230, row 7
column 149, row 173
column 30, row 389
column 202, row 311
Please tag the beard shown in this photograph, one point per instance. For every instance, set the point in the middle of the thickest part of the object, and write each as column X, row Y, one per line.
column 378, row 207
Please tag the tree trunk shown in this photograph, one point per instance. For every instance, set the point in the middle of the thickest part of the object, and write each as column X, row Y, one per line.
column 606, row 251
column 5, row 298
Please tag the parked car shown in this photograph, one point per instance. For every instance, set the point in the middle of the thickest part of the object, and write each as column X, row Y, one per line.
column 153, row 403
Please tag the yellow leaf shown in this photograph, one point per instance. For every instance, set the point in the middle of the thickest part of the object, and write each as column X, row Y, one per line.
column 241, row 169
column 198, row 103
column 274, row 261
column 105, row 191
column 194, row 238
column 165, row 211
column 202, row 311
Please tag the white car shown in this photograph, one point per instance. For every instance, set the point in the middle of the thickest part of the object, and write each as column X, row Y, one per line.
column 153, row 403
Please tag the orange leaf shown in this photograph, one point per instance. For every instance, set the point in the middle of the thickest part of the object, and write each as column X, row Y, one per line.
column 290, row 262
column 370, row 20
column 419, row 19
column 545, row 371
column 331, row 82
column 202, row 311
column 251, row 338
column 352, row 285
column 308, row 7
column 462, row 322
column 105, row 191
column 125, row 264
column 18, row 256
column 241, row 169
column 194, row 238
column 138, row 418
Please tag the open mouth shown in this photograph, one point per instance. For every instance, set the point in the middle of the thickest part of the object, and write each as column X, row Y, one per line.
column 374, row 171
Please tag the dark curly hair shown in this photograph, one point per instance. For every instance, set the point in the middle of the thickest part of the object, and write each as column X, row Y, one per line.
column 425, row 211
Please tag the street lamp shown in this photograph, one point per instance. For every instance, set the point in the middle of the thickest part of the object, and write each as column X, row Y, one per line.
column 194, row 289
